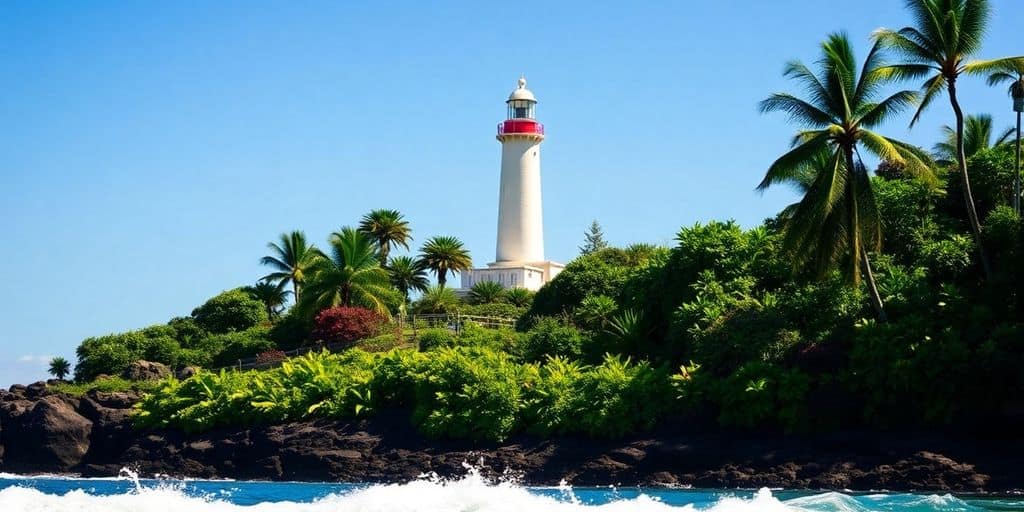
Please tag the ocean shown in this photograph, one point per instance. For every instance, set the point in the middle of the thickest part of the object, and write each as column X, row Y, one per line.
column 429, row 494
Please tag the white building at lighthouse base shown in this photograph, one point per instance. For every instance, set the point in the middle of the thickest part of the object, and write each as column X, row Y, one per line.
column 530, row 275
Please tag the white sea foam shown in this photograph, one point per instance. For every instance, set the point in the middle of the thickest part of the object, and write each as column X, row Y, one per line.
column 431, row 494
column 471, row 493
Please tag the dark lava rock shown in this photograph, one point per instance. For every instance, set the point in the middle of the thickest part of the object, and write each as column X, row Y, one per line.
column 146, row 370
column 35, row 389
column 45, row 435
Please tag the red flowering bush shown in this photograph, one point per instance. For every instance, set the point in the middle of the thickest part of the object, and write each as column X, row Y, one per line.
column 346, row 324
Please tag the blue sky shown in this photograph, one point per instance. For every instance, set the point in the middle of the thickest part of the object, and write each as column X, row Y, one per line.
column 148, row 152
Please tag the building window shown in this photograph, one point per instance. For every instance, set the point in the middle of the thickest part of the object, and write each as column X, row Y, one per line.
column 513, row 279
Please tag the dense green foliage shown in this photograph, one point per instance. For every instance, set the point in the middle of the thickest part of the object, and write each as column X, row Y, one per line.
column 464, row 392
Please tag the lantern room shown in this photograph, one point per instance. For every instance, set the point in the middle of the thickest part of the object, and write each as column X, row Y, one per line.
column 521, row 120
column 521, row 103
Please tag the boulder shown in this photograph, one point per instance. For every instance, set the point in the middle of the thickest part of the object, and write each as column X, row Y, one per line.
column 35, row 389
column 47, row 435
column 146, row 370
column 18, row 389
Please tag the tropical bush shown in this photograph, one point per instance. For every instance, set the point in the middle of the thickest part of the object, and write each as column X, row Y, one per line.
column 346, row 324
column 233, row 310
column 551, row 337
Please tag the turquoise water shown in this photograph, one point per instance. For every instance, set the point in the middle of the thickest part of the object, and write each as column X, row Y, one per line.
column 19, row 494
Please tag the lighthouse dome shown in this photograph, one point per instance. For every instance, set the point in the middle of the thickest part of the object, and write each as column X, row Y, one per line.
column 522, row 93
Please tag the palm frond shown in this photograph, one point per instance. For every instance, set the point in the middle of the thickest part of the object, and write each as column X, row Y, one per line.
column 789, row 165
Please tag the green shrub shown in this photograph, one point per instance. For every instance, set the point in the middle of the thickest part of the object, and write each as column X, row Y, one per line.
column 433, row 339
column 468, row 394
column 497, row 310
column 760, row 394
column 595, row 311
column 618, row 397
column 240, row 345
column 291, row 331
column 109, row 355
column 550, row 337
column 600, row 273
column 395, row 375
column 163, row 349
column 552, row 404
column 106, row 385
column 948, row 258
column 233, row 310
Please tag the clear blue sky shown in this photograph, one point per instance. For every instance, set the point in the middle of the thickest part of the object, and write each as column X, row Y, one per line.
column 149, row 151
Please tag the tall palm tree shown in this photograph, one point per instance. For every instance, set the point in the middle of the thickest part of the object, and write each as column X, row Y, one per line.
column 1012, row 71
column 945, row 34
column 60, row 367
column 388, row 228
column 837, row 217
column 408, row 274
column 273, row 296
column 349, row 275
column 444, row 254
column 291, row 259
column 977, row 136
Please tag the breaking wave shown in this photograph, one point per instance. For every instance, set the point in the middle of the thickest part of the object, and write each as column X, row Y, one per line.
column 471, row 493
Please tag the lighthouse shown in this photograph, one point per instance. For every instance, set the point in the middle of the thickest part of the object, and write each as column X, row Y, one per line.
column 519, row 259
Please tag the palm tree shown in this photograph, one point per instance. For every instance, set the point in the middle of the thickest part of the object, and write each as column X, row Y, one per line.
column 947, row 32
column 291, row 259
column 444, row 254
column 486, row 292
column 437, row 300
column 1012, row 70
column 977, row 137
column 837, row 216
column 518, row 296
column 273, row 296
column 60, row 367
column 407, row 274
column 388, row 228
column 350, row 275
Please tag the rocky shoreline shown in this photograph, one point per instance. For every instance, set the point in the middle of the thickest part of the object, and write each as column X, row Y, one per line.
column 92, row 436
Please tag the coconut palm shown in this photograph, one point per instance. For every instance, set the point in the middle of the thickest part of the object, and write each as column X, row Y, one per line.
column 349, row 275
column 444, row 254
column 837, row 218
column 945, row 34
column 273, row 296
column 291, row 259
column 977, row 136
column 486, row 292
column 388, row 228
column 60, row 367
column 1012, row 71
column 408, row 274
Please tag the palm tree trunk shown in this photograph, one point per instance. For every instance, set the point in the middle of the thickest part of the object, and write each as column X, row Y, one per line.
column 295, row 290
column 442, row 277
column 858, row 254
column 961, row 157
column 876, row 297
column 1016, row 175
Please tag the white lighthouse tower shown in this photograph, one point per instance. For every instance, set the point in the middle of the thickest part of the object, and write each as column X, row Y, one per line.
column 519, row 261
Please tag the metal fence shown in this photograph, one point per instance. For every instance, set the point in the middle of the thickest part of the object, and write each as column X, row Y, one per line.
column 453, row 321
